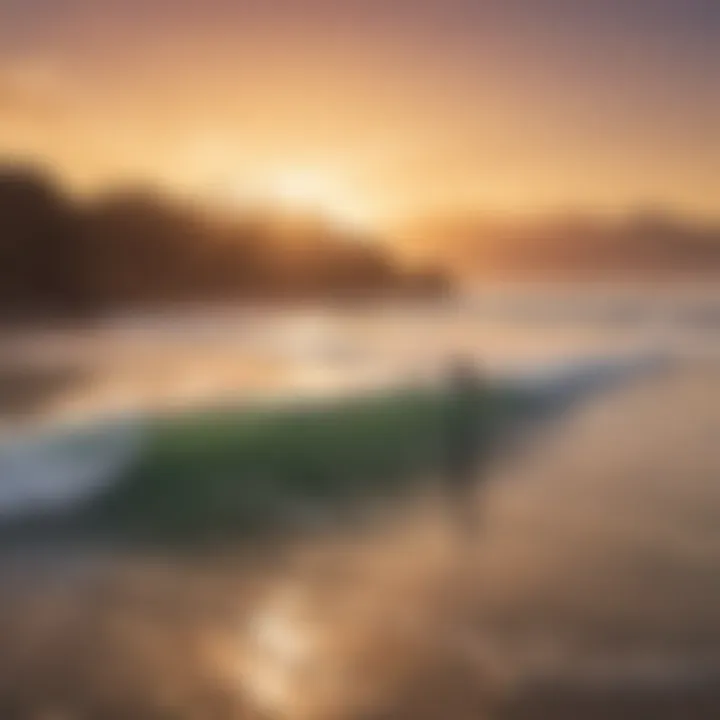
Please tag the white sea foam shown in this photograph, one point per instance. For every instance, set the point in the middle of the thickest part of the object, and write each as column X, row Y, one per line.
column 52, row 471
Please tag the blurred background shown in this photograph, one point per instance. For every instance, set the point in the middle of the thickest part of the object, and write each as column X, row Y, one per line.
column 244, row 248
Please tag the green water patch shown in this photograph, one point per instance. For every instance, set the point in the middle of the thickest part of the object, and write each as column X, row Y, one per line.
column 234, row 471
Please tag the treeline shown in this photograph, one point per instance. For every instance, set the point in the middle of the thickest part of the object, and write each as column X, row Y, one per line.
column 642, row 245
column 139, row 247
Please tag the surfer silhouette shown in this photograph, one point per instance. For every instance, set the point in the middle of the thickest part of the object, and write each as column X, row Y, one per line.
column 463, row 439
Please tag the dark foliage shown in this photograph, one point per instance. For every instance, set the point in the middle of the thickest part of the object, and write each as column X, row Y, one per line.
column 140, row 247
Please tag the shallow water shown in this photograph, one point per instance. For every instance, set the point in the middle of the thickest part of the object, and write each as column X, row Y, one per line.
column 170, row 360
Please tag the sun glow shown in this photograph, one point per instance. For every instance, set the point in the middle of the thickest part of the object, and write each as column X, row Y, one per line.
column 304, row 191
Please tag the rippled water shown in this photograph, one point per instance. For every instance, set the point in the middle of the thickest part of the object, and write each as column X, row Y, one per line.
column 173, row 359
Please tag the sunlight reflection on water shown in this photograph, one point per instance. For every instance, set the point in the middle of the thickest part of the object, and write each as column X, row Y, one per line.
column 175, row 360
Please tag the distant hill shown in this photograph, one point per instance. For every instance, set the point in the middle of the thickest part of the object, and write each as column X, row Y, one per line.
column 643, row 245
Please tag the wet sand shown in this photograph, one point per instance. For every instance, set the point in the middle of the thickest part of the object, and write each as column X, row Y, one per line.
column 590, row 591
column 604, row 548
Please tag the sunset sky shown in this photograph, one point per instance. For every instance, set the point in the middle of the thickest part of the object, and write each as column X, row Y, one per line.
column 380, row 109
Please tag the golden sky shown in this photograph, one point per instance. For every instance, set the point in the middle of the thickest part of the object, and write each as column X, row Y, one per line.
column 385, row 110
